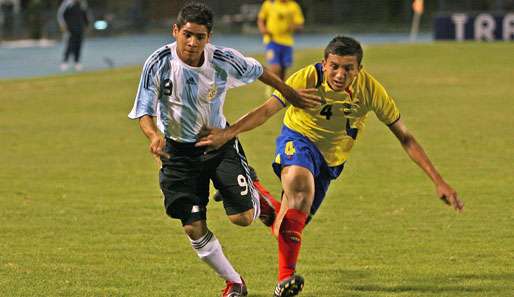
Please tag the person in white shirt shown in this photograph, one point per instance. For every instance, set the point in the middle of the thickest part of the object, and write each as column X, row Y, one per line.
column 181, row 94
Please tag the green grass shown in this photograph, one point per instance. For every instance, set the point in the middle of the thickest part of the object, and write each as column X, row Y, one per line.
column 81, row 213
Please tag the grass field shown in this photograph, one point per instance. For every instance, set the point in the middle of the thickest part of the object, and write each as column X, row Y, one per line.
column 81, row 213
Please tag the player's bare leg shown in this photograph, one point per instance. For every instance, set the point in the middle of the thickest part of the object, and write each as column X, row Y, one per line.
column 298, row 186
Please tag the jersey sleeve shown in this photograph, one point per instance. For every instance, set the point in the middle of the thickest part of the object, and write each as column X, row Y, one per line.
column 148, row 91
column 298, row 18
column 241, row 70
column 381, row 103
column 304, row 78
column 263, row 12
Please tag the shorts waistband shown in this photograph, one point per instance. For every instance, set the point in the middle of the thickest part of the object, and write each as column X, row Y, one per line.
column 189, row 148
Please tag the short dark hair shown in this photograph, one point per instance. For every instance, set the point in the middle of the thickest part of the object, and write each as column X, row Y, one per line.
column 197, row 13
column 344, row 46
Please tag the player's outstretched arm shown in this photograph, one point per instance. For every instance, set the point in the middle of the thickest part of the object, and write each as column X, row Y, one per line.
column 156, row 146
column 418, row 155
column 300, row 100
column 214, row 138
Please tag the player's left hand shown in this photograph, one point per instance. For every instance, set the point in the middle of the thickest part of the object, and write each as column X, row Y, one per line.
column 449, row 196
column 212, row 138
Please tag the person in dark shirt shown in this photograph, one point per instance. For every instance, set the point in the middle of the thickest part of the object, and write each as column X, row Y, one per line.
column 73, row 20
column 7, row 8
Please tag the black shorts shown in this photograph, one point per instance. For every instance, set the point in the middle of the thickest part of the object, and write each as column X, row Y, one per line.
column 184, row 180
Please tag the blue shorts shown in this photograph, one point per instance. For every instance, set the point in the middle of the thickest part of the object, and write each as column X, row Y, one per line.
column 296, row 149
column 277, row 54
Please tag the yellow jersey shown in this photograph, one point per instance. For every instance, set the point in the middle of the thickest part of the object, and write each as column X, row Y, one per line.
column 280, row 17
column 334, row 126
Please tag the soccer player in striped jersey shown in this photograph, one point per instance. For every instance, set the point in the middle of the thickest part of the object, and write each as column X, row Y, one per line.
column 314, row 144
column 183, row 86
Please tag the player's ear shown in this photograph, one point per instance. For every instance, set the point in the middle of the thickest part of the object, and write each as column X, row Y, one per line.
column 174, row 31
column 360, row 67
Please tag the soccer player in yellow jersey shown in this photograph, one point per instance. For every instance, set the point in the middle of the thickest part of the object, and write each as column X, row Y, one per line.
column 278, row 20
column 314, row 144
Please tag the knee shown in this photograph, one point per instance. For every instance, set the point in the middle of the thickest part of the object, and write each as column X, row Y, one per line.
column 301, row 200
column 242, row 219
column 191, row 232
column 299, row 188
column 195, row 230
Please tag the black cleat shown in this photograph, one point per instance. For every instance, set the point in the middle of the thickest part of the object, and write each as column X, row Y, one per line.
column 289, row 287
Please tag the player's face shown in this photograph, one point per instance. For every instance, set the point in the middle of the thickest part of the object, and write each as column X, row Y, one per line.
column 191, row 40
column 340, row 71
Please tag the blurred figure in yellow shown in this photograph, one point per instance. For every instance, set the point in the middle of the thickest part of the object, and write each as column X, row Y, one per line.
column 278, row 20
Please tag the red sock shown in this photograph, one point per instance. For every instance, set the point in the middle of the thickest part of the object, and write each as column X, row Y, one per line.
column 264, row 192
column 289, row 242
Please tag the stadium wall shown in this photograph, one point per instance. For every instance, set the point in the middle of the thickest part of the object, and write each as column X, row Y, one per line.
column 36, row 18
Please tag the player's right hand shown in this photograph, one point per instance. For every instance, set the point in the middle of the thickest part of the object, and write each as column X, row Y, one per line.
column 156, row 147
column 449, row 196
column 307, row 99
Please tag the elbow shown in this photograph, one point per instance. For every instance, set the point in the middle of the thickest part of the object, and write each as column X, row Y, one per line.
column 407, row 141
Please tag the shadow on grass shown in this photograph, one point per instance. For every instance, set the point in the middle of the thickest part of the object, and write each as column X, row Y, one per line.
column 342, row 280
column 451, row 283
column 418, row 288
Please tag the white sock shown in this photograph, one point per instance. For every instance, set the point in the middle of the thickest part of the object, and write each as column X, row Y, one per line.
column 209, row 250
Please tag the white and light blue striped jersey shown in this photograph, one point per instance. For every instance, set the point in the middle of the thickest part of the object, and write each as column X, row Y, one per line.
column 183, row 98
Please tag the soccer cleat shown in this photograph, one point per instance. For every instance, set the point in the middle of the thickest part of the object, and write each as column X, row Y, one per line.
column 235, row 289
column 289, row 287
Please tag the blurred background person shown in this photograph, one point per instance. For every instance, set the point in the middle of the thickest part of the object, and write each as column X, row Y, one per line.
column 73, row 20
column 278, row 20
column 34, row 19
column 7, row 8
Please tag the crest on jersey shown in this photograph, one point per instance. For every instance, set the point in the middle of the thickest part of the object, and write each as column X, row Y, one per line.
column 212, row 92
